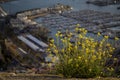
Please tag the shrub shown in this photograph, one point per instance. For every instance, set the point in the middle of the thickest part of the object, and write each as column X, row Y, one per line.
column 81, row 56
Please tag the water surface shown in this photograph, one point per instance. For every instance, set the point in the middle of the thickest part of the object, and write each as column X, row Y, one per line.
column 20, row 5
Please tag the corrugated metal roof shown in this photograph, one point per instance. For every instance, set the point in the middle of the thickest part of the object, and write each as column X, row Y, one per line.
column 40, row 43
column 30, row 44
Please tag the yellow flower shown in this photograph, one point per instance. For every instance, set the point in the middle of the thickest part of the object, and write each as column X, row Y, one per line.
column 90, row 69
column 83, row 46
column 110, row 55
column 94, row 57
column 48, row 49
column 92, row 45
column 99, row 57
column 51, row 44
column 62, row 50
column 115, row 59
column 56, row 34
column 79, row 43
column 86, row 61
column 71, row 34
column 69, row 49
column 70, row 60
column 98, row 34
column 69, row 44
column 79, row 57
column 87, row 50
column 112, row 69
column 52, row 40
column 116, row 38
column 76, row 47
column 92, row 50
column 80, row 36
column 76, row 29
column 80, row 29
column 87, row 41
column 108, row 45
column 55, row 51
column 108, row 68
column 77, row 65
column 106, row 37
column 50, row 64
column 61, row 35
column 84, row 31
column 78, row 25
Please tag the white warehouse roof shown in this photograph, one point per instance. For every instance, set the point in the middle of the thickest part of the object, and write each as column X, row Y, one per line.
column 30, row 44
column 40, row 43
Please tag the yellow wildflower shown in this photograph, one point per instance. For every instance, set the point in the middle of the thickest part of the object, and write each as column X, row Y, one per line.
column 70, row 60
column 110, row 55
column 48, row 49
column 106, row 37
column 51, row 44
column 76, row 29
column 76, row 47
column 98, row 34
column 55, row 51
column 80, row 36
column 77, row 65
column 94, row 57
column 79, row 43
column 63, row 40
column 83, row 46
column 56, row 34
column 90, row 69
column 116, row 38
column 86, row 61
column 115, row 59
column 62, row 50
column 112, row 69
column 87, row 50
column 71, row 34
column 108, row 45
column 92, row 50
column 79, row 57
column 99, row 57
column 52, row 40
column 78, row 25
column 61, row 35
column 50, row 64
column 84, row 31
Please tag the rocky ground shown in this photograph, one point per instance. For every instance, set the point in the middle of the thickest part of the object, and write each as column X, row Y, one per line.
column 12, row 76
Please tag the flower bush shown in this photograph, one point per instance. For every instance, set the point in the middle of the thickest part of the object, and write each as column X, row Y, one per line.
column 81, row 56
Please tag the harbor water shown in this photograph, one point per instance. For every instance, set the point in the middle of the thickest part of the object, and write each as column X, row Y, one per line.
column 20, row 5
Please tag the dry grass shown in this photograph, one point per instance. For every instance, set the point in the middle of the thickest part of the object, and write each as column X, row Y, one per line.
column 12, row 76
